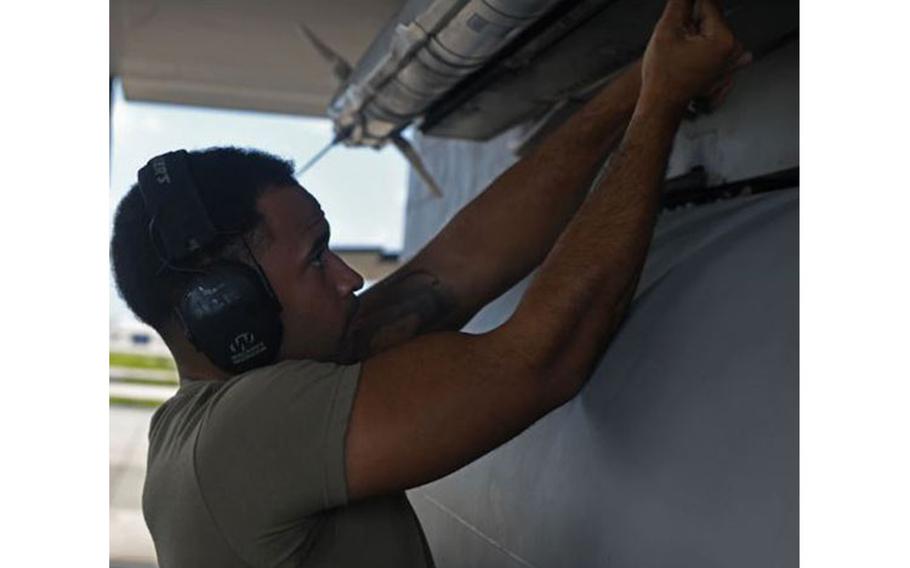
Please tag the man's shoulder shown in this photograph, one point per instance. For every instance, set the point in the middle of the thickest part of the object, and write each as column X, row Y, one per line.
column 292, row 391
column 266, row 446
column 194, row 397
column 209, row 421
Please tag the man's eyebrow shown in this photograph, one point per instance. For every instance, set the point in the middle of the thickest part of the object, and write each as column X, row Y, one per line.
column 321, row 241
column 316, row 220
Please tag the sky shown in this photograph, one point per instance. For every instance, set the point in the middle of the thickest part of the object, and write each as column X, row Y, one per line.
column 362, row 191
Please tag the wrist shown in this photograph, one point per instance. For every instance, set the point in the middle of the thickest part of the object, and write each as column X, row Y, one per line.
column 632, row 73
column 660, row 107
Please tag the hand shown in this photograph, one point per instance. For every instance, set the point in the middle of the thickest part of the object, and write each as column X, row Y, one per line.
column 691, row 52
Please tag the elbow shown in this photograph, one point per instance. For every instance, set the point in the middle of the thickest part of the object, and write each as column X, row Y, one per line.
column 560, row 384
column 555, row 371
column 559, row 366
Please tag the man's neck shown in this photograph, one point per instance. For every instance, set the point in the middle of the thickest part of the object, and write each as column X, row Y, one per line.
column 190, row 373
column 191, row 364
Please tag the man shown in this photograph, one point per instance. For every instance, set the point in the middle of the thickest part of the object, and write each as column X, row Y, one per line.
column 303, row 460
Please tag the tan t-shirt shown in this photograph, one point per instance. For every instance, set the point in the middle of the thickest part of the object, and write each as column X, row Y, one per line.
column 250, row 472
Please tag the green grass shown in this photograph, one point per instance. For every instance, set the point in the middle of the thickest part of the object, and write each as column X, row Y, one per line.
column 146, row 381
column 144, row 403
column 138, row 361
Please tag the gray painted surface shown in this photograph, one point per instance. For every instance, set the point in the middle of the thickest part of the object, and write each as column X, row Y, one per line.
column 555, row 69
column 683, row 448
column 755, row 132
column 241, row 54
column 130, row 542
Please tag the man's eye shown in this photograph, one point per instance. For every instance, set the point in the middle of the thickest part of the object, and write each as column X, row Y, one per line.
column 318, row 258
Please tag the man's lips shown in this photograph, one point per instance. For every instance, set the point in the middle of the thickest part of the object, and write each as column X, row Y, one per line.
column 346, row 349
column 353, row 306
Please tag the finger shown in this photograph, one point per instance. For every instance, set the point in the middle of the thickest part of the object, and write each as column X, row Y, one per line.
column 711, row 17
column 678, row 12
column 734, row 56
column 744, row 59
column 720, row 85
column 717, row 98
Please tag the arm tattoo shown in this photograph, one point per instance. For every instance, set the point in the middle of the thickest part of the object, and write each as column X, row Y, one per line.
column 397, row 309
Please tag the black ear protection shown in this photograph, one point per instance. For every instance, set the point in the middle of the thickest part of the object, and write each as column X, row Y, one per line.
column 229, row 311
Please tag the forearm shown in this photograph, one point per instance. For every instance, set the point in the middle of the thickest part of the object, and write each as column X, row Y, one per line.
column 508, row 230
column 578, row 298
column 573, row 307
column 551, row 182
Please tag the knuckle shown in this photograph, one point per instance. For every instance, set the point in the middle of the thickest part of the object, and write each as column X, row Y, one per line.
column 726, row 43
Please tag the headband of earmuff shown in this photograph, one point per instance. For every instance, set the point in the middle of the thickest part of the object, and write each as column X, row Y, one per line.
column 229, row 311
column 173, row 203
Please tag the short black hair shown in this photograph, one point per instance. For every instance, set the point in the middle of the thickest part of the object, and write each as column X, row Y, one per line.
column 229, row 180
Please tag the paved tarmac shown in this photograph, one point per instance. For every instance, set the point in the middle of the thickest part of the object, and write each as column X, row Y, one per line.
column 142, row 392
column 130, row 543
column 159, row 387
column 165, row 376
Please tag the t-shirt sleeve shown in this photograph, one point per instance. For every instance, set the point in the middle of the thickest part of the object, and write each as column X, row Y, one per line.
column 270, row 451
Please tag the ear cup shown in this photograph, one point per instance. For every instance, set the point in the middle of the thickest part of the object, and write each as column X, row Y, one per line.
column 231, row 315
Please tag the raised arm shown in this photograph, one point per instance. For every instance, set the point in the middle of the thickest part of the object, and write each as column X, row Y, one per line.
column 435, row 403
column 486, row 248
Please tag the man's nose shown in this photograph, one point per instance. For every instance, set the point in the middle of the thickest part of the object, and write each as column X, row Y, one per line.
column 348, row 280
